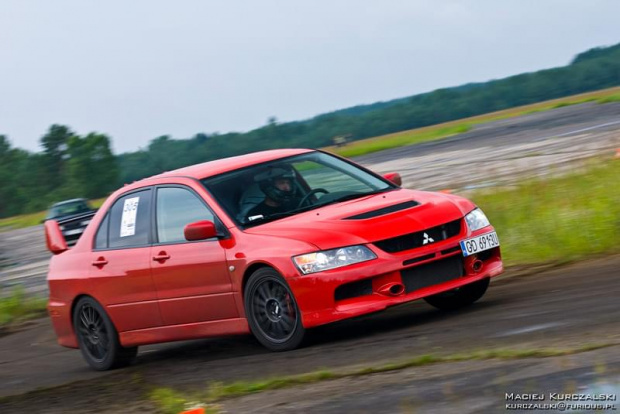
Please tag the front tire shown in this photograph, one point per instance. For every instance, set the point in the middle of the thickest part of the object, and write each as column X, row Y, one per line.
column 459, row 297
column 98, row 338
column 272, row 311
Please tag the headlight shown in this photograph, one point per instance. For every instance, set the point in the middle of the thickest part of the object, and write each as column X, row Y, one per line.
column 331, row 259
column 476, row 220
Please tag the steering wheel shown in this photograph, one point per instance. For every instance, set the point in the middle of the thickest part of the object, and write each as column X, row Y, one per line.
column 311, row 193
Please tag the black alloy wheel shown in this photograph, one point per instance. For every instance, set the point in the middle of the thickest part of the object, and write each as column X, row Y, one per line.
column 97, row 337
column 272, row 312
column 459, row 297
column 93, row 332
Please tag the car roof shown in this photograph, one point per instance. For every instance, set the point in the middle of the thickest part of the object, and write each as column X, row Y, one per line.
column 211, row 168
column 73, row 200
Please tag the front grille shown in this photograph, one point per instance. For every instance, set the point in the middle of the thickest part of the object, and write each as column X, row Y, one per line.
column 354, row 289
column 418, row 259
column 72, row 225
column 451, row 250
column 417, row 239
column 433, row 273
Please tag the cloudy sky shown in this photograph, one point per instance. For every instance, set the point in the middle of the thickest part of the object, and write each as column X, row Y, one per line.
column 139, row 69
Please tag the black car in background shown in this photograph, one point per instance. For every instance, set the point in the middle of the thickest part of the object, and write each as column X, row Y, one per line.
column 72, row 216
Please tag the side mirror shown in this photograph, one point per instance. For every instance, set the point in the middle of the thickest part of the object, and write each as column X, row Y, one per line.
column 394, row 177
column 200, row 230
column 54, row 239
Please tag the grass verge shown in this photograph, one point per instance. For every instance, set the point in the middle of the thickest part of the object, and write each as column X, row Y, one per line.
column 402, row 139
column 440, row 131
column 16, row 307
column 33, row 219
column 609, row 99
column 557, row 219
column 171, row 401
column 21, row 221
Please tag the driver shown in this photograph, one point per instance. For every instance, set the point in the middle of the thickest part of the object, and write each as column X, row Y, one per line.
column 280, row 193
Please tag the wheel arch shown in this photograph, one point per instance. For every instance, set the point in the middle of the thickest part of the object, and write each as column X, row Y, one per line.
column 75, row 302
column 250, row 270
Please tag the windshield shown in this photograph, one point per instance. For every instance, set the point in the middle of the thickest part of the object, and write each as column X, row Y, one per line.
column 66, row 209
column 287, row 186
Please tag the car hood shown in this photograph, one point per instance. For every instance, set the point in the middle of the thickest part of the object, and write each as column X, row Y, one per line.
column 336, row 225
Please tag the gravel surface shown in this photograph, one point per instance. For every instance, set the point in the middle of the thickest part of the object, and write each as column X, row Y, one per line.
column 562, row 308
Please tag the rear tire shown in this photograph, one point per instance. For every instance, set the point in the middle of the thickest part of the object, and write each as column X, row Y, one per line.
column 272, row 311
column 98, row 338
column 459, row 297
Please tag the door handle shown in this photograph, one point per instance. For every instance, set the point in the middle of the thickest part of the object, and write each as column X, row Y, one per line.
column 161, row 257
column 100, row 262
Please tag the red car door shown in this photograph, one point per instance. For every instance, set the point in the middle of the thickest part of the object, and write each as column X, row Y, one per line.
column 120, row 275
column 192, row 279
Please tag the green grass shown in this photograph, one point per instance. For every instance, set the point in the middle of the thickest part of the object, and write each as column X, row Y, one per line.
column 358, row 148
column 219, row 391
column 16, row 307
column 171, row 401
column 557, row 219
column 33, row 219
column 609, row 99
column 24, row 220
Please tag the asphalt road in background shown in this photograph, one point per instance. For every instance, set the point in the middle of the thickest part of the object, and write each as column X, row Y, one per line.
column 503, row 152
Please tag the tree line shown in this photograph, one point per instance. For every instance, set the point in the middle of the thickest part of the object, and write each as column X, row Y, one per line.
column 84, row 166
column 70, row 166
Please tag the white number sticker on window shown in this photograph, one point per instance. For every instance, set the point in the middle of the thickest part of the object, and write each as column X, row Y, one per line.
column 128, row 220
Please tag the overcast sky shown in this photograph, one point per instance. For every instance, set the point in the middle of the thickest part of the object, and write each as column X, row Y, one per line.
column 136, row 70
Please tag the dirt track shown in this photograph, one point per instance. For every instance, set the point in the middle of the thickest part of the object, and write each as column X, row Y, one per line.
column 561, row 308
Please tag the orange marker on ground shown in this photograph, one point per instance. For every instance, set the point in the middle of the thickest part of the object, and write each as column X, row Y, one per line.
column 200, row 410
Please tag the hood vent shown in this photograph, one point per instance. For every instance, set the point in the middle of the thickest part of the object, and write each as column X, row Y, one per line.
column 383, row 211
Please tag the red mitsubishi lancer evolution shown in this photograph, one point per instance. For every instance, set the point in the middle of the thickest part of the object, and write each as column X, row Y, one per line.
column 271, row 243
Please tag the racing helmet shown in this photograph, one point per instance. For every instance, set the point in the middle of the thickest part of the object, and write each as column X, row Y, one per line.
column 267, row 183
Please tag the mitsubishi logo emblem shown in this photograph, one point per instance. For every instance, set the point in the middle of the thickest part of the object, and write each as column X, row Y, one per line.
column 427, row 239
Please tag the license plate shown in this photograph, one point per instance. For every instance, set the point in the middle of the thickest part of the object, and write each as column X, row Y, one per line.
column 479, row 244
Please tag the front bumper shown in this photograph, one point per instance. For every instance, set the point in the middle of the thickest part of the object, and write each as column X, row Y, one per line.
column 72, row 235
column 320, row 299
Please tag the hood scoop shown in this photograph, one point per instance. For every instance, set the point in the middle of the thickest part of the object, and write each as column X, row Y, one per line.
column 383, row 211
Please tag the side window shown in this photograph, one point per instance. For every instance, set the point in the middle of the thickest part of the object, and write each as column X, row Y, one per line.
column 177, row 207
column 130, row 220
column 101, row 239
